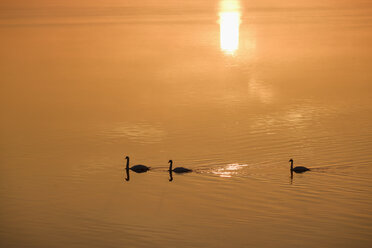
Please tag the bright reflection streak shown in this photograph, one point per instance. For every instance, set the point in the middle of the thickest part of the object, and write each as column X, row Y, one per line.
column 229, row 25
column 229, row 170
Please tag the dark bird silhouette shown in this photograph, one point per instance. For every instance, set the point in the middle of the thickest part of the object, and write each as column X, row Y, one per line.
column 297, row 169
column 170, row 176
column 178, row 169
column 139, row 168
column 127, row 172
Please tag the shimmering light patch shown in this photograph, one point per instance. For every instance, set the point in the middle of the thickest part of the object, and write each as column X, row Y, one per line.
column 229, row 5
column 229, row 25
column 229, row 31
column 229, row 170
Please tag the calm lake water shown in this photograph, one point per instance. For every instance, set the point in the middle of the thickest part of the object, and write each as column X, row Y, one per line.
column 230, row 89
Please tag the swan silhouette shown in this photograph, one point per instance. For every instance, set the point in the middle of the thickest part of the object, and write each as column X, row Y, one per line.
column 139, row 168
column 297, row 169
column 178, row 169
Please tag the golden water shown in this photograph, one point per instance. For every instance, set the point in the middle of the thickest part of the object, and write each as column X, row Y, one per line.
column 230, row 89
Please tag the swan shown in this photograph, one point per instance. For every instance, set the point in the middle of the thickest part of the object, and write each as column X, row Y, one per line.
column 139, row 168
column 297, row 169
column 178, row 169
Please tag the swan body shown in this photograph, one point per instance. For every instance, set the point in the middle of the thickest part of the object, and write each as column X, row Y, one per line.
column 178, row 169
column 181, row 170
column 139, row 168
column 298, row 169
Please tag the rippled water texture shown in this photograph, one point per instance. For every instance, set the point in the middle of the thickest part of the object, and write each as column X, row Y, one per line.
column 229, row 89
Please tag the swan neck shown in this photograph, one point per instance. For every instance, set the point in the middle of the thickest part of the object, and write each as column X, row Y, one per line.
column 170, row 165
column 127, row 167
column 291, row 165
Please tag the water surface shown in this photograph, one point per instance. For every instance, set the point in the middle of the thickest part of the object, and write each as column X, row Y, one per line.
column 230, row 89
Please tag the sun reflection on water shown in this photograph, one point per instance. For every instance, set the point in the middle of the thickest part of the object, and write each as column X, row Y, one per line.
column 229, row 170
column 229, row 25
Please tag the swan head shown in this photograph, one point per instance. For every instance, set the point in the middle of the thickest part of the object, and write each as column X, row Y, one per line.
column 126, row 157
column 170, row 161
column 291, row 160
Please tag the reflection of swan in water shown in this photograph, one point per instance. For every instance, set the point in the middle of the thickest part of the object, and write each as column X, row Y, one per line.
column 297, row 169
column 170, row 176
column 178, row 169
column 139, row 168
column 127, row 172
